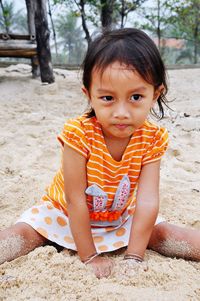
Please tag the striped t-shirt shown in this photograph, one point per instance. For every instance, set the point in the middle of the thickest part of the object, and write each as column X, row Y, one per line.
column 84, row 135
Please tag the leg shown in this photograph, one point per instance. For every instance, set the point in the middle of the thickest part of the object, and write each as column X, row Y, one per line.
column 19, row 240
column 173, row 241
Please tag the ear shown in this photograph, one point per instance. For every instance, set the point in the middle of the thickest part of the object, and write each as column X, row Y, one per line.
column 86, row 92
column 157, row 93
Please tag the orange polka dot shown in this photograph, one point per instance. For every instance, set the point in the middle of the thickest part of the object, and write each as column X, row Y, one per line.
column 55, row 235
column 48, row 220
column 34, row 210
column 98, row 239
column 32, row 219
column 68, row 239
column 42, row 232
column 103, row 248
column 49, row 207
column 120, row 232
column 61, row 221
column 118, row 244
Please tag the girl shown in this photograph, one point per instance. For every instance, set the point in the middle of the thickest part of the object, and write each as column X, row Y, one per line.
column 106, row 194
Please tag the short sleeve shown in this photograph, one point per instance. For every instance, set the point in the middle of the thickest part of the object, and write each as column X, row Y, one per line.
column 157, row 147
column 73, row 135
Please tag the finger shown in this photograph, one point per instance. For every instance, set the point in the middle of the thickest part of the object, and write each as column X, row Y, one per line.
column 108, row 272
column 98, row 273
column 144, row 266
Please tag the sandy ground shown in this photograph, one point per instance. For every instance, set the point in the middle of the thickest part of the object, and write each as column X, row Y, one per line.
column 31, row 115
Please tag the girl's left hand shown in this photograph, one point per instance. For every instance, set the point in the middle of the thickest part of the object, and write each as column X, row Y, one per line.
column 130, row 267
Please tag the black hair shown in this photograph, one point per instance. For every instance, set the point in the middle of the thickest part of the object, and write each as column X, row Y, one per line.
column 131, row 47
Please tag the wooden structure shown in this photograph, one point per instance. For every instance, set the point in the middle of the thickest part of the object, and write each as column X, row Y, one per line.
column 35, row 45
column 23, row 46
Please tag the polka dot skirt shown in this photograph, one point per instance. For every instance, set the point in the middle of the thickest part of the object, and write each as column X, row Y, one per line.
column 53, row 224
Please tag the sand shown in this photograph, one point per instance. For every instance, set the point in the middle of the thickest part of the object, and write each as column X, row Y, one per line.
column 31, row 115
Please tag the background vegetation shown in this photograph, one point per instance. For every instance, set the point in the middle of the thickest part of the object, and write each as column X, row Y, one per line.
column 174, row 25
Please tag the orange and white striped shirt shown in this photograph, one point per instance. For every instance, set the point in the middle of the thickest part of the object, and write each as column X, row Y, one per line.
column 147, row 144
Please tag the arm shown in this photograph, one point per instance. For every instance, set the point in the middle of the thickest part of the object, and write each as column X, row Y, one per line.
column 75, row 182
column 147, row 207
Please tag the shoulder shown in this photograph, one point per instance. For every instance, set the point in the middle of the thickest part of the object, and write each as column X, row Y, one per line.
column 82, row 124
column 156, row 141
column 81, row 129
column 76, row 134
column 152, row 132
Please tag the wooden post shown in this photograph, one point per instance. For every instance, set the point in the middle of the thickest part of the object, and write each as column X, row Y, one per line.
column 31, row 7
column 42, row 37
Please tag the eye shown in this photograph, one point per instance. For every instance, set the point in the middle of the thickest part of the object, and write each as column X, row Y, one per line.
column 136, row 97
column 107, row 98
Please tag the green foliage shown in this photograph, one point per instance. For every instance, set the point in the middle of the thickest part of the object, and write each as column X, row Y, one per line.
column 186, row 25
column 156, row 17
column 186, row 18
column 71, row 41
column 12, row 21
column 124, row 8
column 6, row 15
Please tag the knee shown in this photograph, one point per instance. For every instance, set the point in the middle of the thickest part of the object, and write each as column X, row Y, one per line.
column 160, row 234
column 162, row 231
column 27, row 233
column 21, row 229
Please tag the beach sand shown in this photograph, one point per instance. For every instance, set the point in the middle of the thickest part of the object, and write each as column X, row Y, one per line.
column 31, row 116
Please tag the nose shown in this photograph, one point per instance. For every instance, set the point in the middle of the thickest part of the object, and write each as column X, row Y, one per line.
column 121, row 111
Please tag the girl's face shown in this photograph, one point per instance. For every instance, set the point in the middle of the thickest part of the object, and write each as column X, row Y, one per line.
column 121, row 99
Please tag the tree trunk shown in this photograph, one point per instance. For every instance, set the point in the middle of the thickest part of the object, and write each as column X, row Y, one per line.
column 83, row 19
column 106, row 13
column 195, row 44
column 43, row 46
column 53, row 28
column 158, row 25
column 122, row 13
column 31, row 7
column 196, row 30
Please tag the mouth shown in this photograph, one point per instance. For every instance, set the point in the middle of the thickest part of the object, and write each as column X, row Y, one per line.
column 121, row 126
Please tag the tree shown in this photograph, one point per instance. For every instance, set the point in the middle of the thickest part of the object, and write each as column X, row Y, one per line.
column 7, row 16
column 116, row 11
column 101, row 13
column 106, row 9
column 42, row 38
column 80, row 11
column 52, row 27
column 70, row 35
column 124, row 8
column 20, row 24
column 11, row 20
column 186, row 22
column 157, row 20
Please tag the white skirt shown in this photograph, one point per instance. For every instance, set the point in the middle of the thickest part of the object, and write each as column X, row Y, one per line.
column 53, row 224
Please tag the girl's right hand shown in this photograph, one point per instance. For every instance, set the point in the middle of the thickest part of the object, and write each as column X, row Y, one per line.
column 101, row 266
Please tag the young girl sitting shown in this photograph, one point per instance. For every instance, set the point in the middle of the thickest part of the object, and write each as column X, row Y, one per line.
column 105, row 196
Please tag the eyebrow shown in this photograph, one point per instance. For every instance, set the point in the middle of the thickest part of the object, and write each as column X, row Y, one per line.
column 138, row 89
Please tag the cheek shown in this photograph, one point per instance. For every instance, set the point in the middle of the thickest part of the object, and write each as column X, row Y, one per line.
column 100, row 112
column 141, row 112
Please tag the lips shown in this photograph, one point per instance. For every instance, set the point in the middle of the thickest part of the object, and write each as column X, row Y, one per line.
column 121, row 126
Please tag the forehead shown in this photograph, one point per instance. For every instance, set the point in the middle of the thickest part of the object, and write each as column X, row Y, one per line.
column 115, row 67
column 116, row 73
